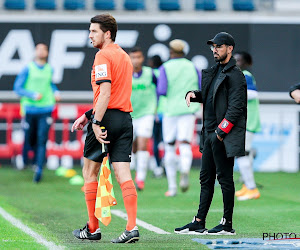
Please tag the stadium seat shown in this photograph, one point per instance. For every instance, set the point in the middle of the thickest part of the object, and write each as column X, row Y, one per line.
column 247, row 5
column 14, row 4
column 104, row 4
column 74, row 4
column 134, row 4
column 169, row 5
column 45, row 4
column 205, row 5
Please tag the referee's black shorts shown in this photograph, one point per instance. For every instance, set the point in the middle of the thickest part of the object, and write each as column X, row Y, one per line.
column 119, row 132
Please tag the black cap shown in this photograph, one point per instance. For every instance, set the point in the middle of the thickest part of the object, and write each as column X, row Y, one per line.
column 222, row 38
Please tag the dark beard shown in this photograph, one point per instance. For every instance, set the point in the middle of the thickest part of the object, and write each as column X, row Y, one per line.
column 221, row 59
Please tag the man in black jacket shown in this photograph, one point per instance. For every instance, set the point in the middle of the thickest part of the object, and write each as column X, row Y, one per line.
column 224, row 97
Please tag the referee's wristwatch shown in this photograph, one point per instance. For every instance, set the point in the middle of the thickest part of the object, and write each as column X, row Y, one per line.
column 94, row 121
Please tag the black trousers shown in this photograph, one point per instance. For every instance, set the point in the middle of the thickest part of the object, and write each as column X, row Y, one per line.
column 157, row 138
column 215, row 162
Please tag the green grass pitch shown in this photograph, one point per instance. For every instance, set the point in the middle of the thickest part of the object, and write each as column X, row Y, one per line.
column 54, row 208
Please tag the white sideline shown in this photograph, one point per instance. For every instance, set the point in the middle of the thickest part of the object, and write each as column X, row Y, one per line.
column 17, row 223
column 141, row 223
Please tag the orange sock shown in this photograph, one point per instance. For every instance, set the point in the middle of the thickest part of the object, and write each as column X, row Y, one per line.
column 130, row 202
column 90, row 191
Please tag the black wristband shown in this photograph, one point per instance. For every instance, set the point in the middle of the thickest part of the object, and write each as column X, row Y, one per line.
column 89, row 113
column 94, row 121
column 188, row 93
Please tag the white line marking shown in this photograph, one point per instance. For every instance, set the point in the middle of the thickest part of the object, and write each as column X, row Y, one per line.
column 17, row 223
column 141, row 223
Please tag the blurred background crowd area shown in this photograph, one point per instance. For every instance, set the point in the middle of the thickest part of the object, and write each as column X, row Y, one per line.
column 153, row 6
column 267, row 29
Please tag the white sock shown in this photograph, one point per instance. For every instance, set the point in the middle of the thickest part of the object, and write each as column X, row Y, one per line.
column 142, row 159
column 246, row 171
column 170, row 166
column 133, row 161
column 186, row 157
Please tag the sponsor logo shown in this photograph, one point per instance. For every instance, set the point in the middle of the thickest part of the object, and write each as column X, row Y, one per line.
column 21, row 41
column 224, row 124
column 138, row 86
column 101, row 71
column 68, row 48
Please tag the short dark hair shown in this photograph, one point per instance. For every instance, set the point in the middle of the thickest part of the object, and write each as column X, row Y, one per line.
column 246, row 57
column 107, row 23
column 136, row 49
column 157, row 62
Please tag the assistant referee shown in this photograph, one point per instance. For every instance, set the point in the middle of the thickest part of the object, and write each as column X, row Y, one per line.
column 111, row 80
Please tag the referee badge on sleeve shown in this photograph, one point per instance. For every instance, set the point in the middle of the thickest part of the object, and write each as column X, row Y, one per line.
column 101, row 71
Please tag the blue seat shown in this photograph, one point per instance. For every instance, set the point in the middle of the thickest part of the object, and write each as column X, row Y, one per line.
column 45, row 4
column 15, row 4
column 104, row 4
column 247, row 5
column 74, row 4
column 169, row 5
column 205, row 5
column 134, row 4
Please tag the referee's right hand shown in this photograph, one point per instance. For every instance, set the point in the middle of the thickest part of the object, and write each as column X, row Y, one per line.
column 190, row 95
column 80, row 123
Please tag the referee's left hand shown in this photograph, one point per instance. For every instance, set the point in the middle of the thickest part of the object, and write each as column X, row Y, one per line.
column 100, row 136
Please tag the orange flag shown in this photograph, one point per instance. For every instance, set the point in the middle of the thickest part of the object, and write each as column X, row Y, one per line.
column 105, row 194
